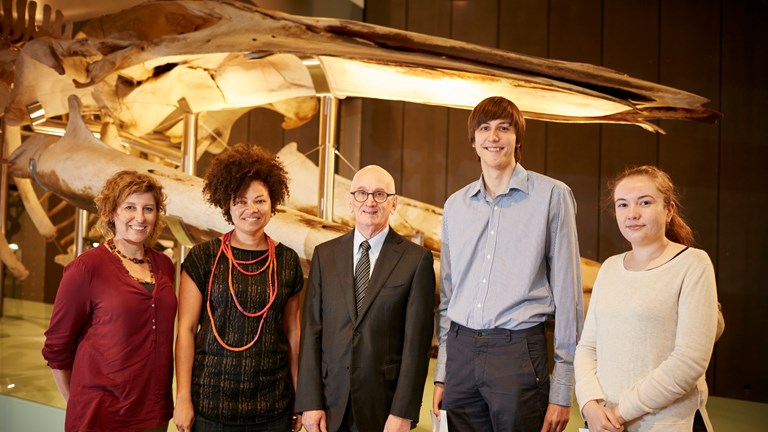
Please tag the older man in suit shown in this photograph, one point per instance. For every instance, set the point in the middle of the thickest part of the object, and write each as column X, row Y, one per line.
column 367, row 321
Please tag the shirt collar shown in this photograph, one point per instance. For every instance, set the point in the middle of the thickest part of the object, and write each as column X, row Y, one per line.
column 376, row 241
column 519, row 181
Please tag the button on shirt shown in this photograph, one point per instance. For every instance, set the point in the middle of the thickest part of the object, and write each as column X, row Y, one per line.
column 513, row 262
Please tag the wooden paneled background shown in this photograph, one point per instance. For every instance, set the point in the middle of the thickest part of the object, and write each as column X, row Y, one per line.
column 713, row 48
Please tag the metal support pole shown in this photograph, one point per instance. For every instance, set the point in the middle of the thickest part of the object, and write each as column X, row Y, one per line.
column 189, row 145
column 188, row 158
column 189, row 166
column 3, row 208
column 81, row 230
column 329, row 110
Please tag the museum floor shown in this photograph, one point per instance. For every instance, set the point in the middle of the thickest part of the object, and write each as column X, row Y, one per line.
column 24, row 375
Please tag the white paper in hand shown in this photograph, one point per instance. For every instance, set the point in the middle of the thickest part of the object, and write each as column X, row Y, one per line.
column 439, row 424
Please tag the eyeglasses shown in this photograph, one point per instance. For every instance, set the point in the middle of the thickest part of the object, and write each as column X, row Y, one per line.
column 378, row 196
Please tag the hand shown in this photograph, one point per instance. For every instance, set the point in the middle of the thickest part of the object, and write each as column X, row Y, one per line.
column 617, row 414
column 314, row 421
column 296, row 423
column 397, row 424
column 62, row 377
column 602, row 419
column 556, row 418
column 437, row 398
column 184, row 416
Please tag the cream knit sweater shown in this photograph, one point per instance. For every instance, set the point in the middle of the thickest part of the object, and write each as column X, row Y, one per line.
column 647, row 341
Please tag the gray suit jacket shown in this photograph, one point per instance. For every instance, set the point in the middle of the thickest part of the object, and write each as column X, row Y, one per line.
column 379, row 358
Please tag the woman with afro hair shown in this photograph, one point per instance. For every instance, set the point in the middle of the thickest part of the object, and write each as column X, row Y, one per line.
column 238, row 334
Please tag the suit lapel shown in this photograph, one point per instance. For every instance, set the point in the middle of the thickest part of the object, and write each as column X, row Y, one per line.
column 391, row 251
column 345, row 269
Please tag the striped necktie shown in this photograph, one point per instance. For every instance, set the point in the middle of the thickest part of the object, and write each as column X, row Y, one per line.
column 362, row 274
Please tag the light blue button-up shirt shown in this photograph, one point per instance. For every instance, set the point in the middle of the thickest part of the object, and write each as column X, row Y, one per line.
column 513, row 262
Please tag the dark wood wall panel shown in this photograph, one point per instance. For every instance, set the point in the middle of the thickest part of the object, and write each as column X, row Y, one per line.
column 390, row 13
column 631, row 38
column 621, row 146
column 524, row 28
column 630, row 45
column 265, row 131
column 432, row 17
column 573, row 156
column 240, row 132
column 534, row 150
column 425, row 138
column 475, row 22
column 462, row 163
column 350, row 110
column 743, row 203
column 425, row 128
column 382, row 128
column 573, row 150
column 575, row 30
column 690, row 60
column 382, row 137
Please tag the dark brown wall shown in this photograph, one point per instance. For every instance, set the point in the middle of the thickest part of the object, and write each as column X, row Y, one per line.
column 709, row 47
column 34, row 252
column 705, row 47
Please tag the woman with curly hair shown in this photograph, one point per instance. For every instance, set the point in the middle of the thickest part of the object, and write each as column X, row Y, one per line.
column 238, row 336
column 110, row 340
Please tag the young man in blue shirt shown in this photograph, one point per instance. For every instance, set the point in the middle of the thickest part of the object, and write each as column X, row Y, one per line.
column 509, row 262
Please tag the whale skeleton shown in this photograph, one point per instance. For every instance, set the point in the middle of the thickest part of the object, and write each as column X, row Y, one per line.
column 132, row 70
column 77, row 176
column 76, row 166
column 132, row 67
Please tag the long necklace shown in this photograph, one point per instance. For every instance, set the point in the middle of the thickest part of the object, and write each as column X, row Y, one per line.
column 270, row 266
column 113, row 248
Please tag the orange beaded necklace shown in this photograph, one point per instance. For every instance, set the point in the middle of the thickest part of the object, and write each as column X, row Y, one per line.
column 270, row 266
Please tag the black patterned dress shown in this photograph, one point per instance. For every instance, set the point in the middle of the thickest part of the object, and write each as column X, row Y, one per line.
column 254, row 385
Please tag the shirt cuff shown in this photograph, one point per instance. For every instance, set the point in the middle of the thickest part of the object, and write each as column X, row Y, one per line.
column 440, row 367
column 560, row 394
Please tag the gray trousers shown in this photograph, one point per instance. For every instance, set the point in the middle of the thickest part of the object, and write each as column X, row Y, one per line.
column 496, row 379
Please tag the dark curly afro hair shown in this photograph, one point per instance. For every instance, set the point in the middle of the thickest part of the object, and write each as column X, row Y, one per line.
column 234, row 170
